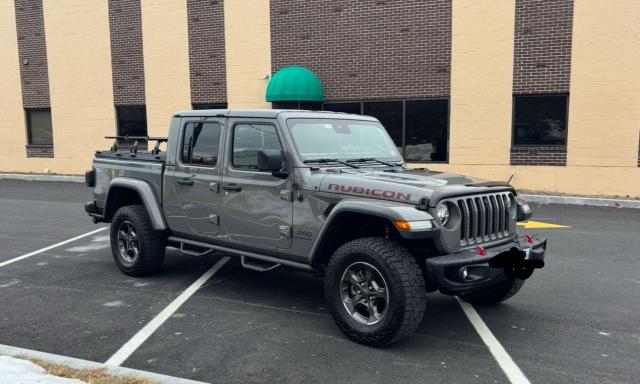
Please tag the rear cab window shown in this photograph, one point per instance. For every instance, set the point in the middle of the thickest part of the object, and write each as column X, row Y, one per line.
column 201, row 143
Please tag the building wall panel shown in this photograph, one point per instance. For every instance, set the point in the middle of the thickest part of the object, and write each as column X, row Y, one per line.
column 207, row 64
column 32, row 48
column 127, row 61
column 166, row 60
column 366, row 49
column 79, row 57
column 247, row 52
column 481, row 82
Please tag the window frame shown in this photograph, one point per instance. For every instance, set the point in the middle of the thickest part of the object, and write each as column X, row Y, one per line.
column 232, row 139
column 28, row 125
column 537, row 95
column 181, row 147
column 219, row 106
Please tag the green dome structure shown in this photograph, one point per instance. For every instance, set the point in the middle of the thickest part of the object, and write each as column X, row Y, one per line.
column 295, row 84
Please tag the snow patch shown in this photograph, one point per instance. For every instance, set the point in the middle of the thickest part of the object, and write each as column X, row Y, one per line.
column 87, row 248
column 18, row 371
column 10, row 284
column 116, row 303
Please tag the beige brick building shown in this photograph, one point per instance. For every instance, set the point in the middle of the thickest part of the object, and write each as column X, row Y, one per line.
column 546, row 93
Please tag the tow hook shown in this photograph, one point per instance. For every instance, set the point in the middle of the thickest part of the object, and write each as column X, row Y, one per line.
column 515, row 264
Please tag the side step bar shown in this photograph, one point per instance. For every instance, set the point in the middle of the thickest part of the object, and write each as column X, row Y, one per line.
column 270, row 261
column 256, row 265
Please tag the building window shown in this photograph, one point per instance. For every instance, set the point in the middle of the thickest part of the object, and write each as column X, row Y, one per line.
column 426, row 130
column 200, row 143
column 355, row 108
column 248, row 139
column 390, row 115
column 419, row 128
column 307, row 105
column 210, row 106
column 39, row 128
column 39, row 133
column 132, row 121
column 540, row 120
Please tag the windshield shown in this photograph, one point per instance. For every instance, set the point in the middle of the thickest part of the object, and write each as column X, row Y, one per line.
column 341, row 139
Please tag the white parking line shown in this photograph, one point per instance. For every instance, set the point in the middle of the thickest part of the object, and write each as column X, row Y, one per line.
column 505, row 361
column 136, row 341
column 11, row 261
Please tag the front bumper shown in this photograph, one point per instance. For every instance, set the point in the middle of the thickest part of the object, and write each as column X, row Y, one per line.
column 467, row 271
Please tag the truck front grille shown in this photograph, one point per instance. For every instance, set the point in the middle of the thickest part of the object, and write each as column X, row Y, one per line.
column 484, row 218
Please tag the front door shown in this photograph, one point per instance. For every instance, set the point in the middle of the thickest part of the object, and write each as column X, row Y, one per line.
column 194, row 181
column 257, row 209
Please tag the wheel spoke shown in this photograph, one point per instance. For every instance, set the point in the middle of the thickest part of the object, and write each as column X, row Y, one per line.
column 355, row 281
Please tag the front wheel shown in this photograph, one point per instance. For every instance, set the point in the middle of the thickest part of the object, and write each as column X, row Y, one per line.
column 137, row 248
column 375, row 291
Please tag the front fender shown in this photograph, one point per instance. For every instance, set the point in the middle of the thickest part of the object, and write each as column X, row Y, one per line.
column 384, row 209
column 147, row 195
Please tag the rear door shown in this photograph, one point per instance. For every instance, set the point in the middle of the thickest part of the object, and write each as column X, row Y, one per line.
column 257, row 209
column 194, row 181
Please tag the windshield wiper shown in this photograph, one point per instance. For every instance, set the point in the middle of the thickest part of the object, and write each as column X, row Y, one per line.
column 325, row 161
column 365, row 159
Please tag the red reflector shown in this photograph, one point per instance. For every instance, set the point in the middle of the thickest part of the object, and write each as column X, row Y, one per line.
column 481, row 250
column 529, row 239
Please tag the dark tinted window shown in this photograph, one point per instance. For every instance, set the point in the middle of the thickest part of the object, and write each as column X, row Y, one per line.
column 390, row 115
column 200, row 143
column 132, row 121
column 343, row 107
column 209, row 106
column 540, row 120
column 39, row 126
column 307, row 105
column 248, row 139
column 426, row 130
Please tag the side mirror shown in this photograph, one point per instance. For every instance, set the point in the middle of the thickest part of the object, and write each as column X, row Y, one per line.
column 523, row 210
column 272, row 160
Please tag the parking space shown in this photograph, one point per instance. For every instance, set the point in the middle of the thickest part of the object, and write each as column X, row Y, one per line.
column 574, row 321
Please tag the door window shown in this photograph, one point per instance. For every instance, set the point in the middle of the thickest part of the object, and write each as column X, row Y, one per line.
column 248, row 139
column 200, row 143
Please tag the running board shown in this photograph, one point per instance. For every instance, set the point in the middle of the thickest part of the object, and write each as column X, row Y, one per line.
column 256, row 265
column 264, row 259
column 193, row 252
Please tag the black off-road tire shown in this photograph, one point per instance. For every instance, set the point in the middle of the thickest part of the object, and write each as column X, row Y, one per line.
column 405, row 284
column 496, row 294
column 151, row 243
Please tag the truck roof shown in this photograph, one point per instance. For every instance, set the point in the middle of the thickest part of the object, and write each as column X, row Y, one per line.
column 273, row 113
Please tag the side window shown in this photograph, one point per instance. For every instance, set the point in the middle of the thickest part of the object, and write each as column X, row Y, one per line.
column 200, row 142
column 248, row 139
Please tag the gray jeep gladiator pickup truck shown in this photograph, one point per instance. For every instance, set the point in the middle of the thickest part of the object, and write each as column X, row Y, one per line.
column 327, row 193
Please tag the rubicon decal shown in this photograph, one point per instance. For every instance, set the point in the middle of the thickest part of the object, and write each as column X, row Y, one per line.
column 392, row 195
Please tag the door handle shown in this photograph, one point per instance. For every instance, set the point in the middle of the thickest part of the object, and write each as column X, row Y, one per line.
column 185, row 182
column 232, row 187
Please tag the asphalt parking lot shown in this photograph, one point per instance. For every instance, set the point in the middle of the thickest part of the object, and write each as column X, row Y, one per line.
column 575, row 321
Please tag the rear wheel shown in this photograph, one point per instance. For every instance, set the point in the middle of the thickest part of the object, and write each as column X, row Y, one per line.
column 137, row 248
column 496, row 294
column 375, row 291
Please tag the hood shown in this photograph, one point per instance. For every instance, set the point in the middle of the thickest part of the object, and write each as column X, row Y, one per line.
column 408, row 185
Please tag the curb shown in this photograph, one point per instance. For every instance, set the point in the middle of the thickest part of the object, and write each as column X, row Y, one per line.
column 577, row 200
column 36, row 177
column 86, row 364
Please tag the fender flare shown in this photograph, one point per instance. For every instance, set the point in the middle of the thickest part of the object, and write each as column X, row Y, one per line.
column 381, row 209
column 147, row 195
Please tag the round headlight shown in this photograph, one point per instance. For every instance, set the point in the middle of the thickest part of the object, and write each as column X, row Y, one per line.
column 442, row 211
